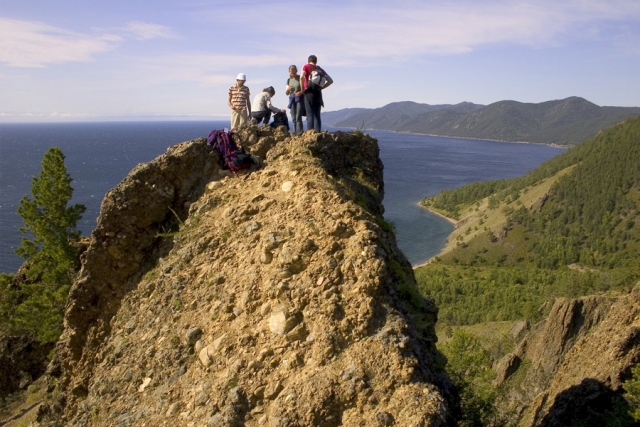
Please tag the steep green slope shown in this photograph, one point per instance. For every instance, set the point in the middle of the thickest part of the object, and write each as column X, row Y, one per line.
column 568, row 228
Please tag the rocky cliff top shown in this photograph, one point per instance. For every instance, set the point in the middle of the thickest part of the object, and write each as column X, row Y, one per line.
column 273, row 297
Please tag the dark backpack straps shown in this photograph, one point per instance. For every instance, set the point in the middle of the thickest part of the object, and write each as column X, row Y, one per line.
column 213, row 136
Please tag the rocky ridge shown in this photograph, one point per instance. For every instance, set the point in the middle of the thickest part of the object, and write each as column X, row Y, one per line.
column 273, row 297
column 575, row 359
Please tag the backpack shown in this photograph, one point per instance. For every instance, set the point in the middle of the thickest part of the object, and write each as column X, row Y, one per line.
column 280, row 119
column 233, row 159
column 317, row 79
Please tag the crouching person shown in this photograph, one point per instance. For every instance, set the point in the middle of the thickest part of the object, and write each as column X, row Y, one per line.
column 262, row 108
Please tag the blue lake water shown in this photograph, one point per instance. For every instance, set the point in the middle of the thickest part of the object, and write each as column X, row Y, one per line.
column 100, row 155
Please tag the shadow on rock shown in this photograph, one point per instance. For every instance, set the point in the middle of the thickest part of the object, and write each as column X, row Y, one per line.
column 589, row 404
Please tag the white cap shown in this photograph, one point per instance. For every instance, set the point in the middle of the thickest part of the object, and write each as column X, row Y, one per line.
column 241, row 76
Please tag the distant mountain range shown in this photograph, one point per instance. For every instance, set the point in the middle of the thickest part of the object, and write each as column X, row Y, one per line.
column 562, row 122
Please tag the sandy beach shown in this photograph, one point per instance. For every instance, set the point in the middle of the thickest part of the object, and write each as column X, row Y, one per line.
column 451, row 220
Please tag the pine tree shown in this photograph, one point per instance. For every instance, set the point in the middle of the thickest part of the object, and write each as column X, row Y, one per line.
column 50, row 255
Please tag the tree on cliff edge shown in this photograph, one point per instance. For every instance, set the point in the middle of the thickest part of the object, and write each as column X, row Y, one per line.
column 51, row 258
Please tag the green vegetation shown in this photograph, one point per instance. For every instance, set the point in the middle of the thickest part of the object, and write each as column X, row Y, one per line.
column 468, row 295
column 615, row 416
column 471, row 351
column 564, row 122
column 591, row 214
column 632, row 392
column 35, row 303
column 579, row 237
column 567, row 229
column 469, row 367
column 450, row 202
column 388, row 226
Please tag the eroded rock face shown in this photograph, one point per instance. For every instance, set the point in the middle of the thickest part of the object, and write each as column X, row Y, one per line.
column 272, row 305
column 575, row 358
column 132, row 216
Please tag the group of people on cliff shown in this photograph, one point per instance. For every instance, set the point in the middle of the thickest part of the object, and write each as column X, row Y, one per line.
column 305, row 98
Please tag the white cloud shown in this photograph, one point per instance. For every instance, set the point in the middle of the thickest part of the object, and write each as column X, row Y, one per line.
column 148, row 31
column 34, row 44
column 348, row 33
column 205, row 69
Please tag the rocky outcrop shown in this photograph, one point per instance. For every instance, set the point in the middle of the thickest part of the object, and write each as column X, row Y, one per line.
column 22, row 360
column 273, row 297
column 576, row 358
column 149, row 201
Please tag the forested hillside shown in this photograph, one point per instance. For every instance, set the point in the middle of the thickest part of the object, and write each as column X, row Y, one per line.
column 569, row 228
column 393, row 116
column 562, row 122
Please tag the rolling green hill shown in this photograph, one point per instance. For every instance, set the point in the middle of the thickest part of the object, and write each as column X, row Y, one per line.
column 566, row 229
column 562, row 122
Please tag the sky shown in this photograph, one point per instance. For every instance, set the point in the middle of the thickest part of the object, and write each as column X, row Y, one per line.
column 86, row 60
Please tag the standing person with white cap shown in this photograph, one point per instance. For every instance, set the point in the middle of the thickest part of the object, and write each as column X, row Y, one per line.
column 239, row 102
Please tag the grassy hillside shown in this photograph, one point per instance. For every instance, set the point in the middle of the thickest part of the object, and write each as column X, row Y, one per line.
column 568, row 228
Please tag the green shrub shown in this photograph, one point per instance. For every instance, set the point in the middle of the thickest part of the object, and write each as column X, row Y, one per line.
column 51, row 259
column 469, row 367
column 632, row 392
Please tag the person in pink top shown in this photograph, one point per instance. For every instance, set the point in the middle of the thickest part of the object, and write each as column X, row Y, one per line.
column 313, row 92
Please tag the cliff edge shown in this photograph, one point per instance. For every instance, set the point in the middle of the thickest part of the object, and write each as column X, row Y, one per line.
column 274, row 297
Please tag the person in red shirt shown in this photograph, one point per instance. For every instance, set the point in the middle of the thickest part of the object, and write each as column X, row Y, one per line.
column 313, row 92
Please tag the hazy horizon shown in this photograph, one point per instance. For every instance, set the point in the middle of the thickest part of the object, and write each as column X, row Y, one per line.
column 62, row 61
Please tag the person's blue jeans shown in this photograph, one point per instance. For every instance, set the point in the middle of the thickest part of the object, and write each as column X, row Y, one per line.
column 313, row 115
column 296, row 116
column 260, row 115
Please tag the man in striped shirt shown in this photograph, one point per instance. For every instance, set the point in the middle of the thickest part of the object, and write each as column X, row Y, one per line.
column 239, row 102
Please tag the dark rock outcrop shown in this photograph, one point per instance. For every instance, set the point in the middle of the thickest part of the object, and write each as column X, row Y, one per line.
column 22, row 360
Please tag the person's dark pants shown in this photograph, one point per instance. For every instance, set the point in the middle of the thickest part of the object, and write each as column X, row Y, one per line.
column 260, row 115
column 313, row 114
column 296, row 116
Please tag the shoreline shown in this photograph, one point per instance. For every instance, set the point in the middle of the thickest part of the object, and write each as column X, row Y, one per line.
column 450, row 220
column 565, row 147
